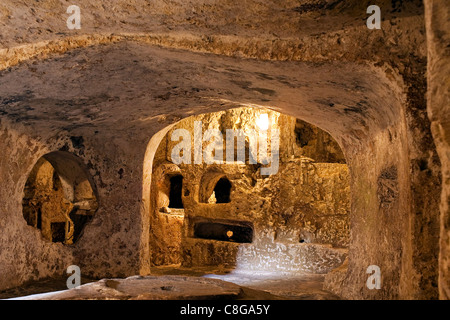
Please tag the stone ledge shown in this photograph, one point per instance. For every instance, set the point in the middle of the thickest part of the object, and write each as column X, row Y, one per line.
column 147, row 288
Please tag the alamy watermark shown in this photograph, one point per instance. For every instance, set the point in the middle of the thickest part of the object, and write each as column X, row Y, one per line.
column 74, row 21
column 374, row 280
column 374, row 21
column 213, row 153
column 74, row 279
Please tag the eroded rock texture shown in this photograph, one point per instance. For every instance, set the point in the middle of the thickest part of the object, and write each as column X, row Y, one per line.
column 438, row 25
column 108, row 92
column 233, row 215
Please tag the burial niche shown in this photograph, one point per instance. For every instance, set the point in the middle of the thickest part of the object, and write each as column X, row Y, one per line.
column 223, row 231
column 222, row 190
column 176, row 187
column 215, row 188
column 59, row 199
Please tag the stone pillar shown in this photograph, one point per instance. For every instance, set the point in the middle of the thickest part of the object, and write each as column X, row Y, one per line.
column 437, row 18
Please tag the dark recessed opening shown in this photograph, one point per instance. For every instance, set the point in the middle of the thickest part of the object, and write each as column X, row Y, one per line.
column 223, row 232
column 39, row 219
column 176, row 186
column 59, row 210
column 222, row 190
column 58, row 230
column 79, row 220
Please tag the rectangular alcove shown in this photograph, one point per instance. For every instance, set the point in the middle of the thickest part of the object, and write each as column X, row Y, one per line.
column 224, row 231
column 58, row 230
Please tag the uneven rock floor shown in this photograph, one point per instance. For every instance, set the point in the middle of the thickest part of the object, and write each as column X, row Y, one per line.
column 173, row 283
column 297, row 286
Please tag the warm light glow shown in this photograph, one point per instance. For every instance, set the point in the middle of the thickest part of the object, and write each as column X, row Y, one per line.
column 263, row 121
column 229, row 233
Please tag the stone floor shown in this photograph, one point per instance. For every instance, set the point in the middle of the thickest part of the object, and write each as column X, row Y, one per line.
column 297, row 286
column 173, row 282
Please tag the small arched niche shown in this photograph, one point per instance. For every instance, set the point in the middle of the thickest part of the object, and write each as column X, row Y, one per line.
column 59, row 198
column 215, row 188
column 167, row 214
column 176, row 187
column 169, row 193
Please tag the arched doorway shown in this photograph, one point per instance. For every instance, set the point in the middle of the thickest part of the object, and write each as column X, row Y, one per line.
column 59, row 198
column 235, row 217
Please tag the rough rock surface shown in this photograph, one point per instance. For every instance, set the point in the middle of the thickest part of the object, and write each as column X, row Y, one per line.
column 188, row 283
column 302, row 202
column 148, row 288
column 137, row 67
column 437, row 16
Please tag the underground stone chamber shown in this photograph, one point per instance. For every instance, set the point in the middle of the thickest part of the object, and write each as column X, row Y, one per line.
column 58, row 198
column 104, row 93
column 360, row 111
column 295, row 220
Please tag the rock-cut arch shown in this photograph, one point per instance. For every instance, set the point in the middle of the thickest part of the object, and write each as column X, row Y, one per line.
column 59, row 197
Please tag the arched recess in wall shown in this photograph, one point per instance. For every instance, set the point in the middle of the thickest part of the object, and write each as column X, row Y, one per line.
column 215, row 188
column 312, row 169
column 59, row 197
column 168, row 187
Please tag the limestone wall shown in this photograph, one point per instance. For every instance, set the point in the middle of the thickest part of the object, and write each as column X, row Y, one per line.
column 136, row 67
column 437, row 17
column 25, row 253
column 304, row 203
